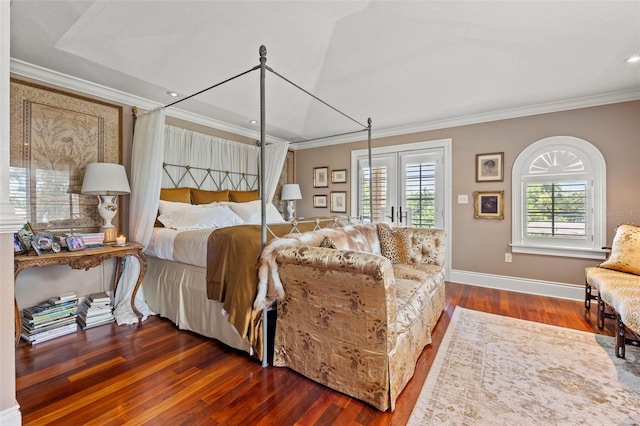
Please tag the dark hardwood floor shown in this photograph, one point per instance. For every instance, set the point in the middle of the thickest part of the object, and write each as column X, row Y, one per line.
column 157, row 375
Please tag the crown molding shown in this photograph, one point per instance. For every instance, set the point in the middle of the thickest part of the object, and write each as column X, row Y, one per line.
column 569, row 104
column 36, row 72
column 25, row 69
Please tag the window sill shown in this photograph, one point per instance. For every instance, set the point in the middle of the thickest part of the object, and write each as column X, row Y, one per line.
column 597, row 254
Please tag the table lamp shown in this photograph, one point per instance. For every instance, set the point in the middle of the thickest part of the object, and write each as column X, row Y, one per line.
column 107, row 181
column 291, row 192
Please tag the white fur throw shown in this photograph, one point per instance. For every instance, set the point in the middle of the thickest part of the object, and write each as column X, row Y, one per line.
column 351, row 237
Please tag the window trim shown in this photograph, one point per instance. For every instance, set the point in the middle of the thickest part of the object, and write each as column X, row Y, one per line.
column 596, row 202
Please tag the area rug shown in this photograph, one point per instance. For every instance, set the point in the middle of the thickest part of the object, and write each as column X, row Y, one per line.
column 495, row 370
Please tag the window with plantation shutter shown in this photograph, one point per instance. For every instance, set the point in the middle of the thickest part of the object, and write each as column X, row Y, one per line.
column 558, row 198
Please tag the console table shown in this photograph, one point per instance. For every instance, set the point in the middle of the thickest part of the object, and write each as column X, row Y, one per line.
column 82, row 259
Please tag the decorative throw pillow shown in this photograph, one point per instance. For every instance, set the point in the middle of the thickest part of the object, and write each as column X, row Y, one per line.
column 202, row 196
column 395, row 243
column 180, row 195
column 625, row 250
column 244, row 196
column 328, row 243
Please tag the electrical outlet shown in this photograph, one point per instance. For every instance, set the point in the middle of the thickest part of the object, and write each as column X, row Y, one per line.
column 507, row 257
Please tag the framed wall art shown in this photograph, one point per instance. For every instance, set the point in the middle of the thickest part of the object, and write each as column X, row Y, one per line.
column 320, row 201
column 54, row 135
column 338, row 202
column 338, row 176
column 489, row 167
column 320, row 177
column 488, row 204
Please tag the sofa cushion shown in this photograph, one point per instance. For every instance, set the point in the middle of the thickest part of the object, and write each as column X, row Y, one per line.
column 415, row 284
column 395, row 243
column 625, row 250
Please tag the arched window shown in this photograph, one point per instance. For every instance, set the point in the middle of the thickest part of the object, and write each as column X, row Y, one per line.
column 559, row 199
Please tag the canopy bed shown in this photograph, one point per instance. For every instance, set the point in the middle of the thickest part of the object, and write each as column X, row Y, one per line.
column 214, row 221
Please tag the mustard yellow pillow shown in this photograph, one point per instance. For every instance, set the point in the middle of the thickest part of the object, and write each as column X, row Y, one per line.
column 395, row 243
column 202, row 196
column 178, row 195
column 625, row 250
column 244, row 196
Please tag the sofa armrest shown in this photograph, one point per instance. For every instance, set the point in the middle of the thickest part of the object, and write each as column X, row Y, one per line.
column 349, row 294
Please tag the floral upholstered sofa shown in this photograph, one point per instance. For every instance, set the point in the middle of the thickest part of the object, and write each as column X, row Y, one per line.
column 356, row 305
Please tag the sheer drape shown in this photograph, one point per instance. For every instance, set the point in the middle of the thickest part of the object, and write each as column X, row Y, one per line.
column 185, row 147
column 274, row 157
column 146, row 173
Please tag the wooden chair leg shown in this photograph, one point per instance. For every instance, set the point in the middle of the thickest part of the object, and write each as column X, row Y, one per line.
column 587, row 296
column 620, row 339
column 601, row 308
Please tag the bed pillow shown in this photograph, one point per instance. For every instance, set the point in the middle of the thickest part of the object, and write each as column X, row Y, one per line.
column 244, row 196
column 625, row 250
column 202, row 196
column 203, row 217
column 249, row 212
column 165, row 206
column 171, row 206
column 395, row 243
column 180, row 195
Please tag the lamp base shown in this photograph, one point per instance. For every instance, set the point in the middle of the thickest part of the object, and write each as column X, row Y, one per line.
column 110, row 233
column 291, row 210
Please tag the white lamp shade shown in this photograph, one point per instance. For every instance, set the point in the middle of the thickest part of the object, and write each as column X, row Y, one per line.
column 105, row 179
column 291, row 191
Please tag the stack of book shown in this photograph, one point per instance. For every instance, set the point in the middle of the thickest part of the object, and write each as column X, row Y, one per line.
column 48, row 320
column 95, row 310
column 90, row 239
column 93, row 239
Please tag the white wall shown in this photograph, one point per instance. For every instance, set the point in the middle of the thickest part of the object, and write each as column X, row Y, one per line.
column 9, row 409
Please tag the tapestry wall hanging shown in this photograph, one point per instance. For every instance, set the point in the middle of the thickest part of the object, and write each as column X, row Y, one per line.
column 54, row 135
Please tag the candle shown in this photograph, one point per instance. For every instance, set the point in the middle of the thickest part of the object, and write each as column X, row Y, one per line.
column 121, row 240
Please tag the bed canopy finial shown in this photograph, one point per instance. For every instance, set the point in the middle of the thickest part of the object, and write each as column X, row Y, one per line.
column 263, row 51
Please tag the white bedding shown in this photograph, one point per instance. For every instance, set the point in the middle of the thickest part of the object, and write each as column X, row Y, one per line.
column 188, row 246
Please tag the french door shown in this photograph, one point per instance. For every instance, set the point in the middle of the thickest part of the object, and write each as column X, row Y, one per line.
column 406, row 187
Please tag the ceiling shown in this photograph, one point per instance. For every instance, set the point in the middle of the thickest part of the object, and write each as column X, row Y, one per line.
column 408, row 65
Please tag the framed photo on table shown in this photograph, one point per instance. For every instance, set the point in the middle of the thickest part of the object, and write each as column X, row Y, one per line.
column 320, row 201
column 488, row 204
column 338, row 176
column 489, row 167
column 339, row 202
column 320, row 177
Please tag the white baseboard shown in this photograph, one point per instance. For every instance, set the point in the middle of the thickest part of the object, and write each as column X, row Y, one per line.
column 520, row 285
column 11, row 416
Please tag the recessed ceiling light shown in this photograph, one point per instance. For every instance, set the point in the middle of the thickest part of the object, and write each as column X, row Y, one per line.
column 253, row 122
column 633, row 59
column 174, row 94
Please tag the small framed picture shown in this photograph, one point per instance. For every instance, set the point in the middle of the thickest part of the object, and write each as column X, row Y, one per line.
column 339, row 202
column 18, row 247
column 320, row 177
column 338, row 176
column 489, row 167
column 488, row 204
column 320, row 201
column 75, row 243
column 26, row 235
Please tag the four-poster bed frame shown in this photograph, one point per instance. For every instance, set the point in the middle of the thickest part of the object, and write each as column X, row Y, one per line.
column 262, row 166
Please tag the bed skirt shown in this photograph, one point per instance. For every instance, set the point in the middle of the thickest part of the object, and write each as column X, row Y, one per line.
column 178, row 291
